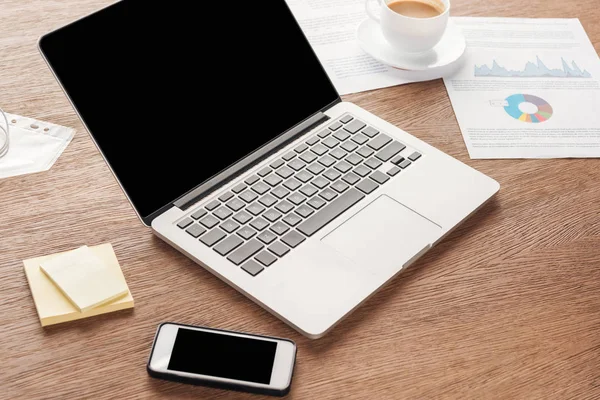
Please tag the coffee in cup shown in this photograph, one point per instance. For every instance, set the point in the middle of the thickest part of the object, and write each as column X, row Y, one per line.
column 416, row 8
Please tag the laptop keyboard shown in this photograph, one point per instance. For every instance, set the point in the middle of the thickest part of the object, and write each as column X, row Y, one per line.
column 262, row 219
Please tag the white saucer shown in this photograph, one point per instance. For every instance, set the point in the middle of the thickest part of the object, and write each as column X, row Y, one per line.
column 442, row 58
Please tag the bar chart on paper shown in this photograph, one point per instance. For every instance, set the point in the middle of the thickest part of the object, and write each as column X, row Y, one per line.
column 532, row 70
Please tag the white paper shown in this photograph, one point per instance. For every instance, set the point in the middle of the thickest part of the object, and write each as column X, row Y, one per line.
column 548, row 59
column 330, row 26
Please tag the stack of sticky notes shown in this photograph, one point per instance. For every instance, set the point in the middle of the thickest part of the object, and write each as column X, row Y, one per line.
column 77, row 284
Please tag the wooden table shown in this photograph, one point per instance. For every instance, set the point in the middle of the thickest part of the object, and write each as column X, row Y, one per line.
column 506, row 307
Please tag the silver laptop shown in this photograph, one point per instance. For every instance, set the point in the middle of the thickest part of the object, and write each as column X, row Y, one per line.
column 237, row 150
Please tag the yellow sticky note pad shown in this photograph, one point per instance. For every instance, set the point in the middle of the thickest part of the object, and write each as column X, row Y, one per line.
column 84, row 278
column 53, row 307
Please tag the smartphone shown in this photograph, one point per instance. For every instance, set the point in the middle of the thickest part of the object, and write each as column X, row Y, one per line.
column 223, row 359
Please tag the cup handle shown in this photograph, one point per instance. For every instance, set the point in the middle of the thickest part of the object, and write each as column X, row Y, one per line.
column 370, row 13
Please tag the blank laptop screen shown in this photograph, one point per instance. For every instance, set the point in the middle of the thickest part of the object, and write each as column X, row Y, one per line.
column 174, row 92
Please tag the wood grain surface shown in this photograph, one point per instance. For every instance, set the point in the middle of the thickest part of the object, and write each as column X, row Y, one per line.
column 506, row 307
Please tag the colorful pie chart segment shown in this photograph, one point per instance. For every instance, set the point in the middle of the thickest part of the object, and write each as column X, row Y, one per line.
column 544, row 110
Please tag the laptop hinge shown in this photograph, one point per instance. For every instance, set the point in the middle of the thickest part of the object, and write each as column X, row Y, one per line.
column 190, row 198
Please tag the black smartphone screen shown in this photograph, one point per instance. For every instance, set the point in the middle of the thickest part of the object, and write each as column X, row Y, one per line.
column 222, row 355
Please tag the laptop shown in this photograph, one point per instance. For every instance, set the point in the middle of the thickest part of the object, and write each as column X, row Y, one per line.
column 232, row 144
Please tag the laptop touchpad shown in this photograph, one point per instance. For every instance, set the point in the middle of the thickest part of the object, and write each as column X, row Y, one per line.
column 383, row 236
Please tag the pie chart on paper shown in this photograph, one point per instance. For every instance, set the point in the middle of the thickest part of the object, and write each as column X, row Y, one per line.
column 543, row 113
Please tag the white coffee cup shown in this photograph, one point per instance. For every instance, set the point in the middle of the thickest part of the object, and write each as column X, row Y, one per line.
column 410, row 34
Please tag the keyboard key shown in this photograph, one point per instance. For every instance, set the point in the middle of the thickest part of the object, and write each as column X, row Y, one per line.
column 354, row 159
column 330, row 212
column 328, row 194
column 349, row 146
column 296, row 164
column 355, row 126
column 246, row 232
column 373, row 163
column 316, row 202
column 308, row 157
column 394, row 170
column 330, row 142
column 225, row 197
column 277, row 163
column 185, row 222
column 264, row 172
column 195, row 230
column 238, row 188
column 261, row 187
column 365, row 151
column 255, row 209
column 390, row 151
column 252, row 267
column 327, row 161
column 335, row 126
column 242, row 217
column 274, row 180
column 320, row 182
column 404, row 164
column 280, row 228
column 324, row 133
column 296, row 198
column 223, row 212
column 267, row 200
column 209, row 221
column 304, row 211
column 316, row 168
column 272, row 215
column 212, row 237
column 331, row 174
column 284, row 206
column 265, row 258
column 414, row 156
column 370, row 131
column 312, row 141
column 248, row 196
column 251, row 180
column 351, row 178
column 292, row 184
column 367, row 186
column 301, row 148
column 341, row 135
column 280, row 192
column 379, row 177
column 293, row 239
column 308, row 190
column 304, row 176
column 236, row 204
column 360, row 139
column 228, row 245
column 279, row 249
column 292, row 219
column 245, row 252
column 361, row 170
column 397, row 160
column 267, row 237
column 285, row 172
column 319, row 149
column 343, row 167
column 338, row 153
column 346, row 119
column 213, row 204
column 339, row 186
column 379, row 142
column 259, row 224
column 289, row 156
column 229, row 226
column 199, row 214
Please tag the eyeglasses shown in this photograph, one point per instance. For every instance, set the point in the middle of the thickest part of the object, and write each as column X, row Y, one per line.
column 4, row 138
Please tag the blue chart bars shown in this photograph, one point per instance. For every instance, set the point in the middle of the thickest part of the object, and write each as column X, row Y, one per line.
column 537, row 70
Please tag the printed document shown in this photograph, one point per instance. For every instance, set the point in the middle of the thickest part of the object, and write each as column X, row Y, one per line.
column 330, row 26
column 529, row 88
